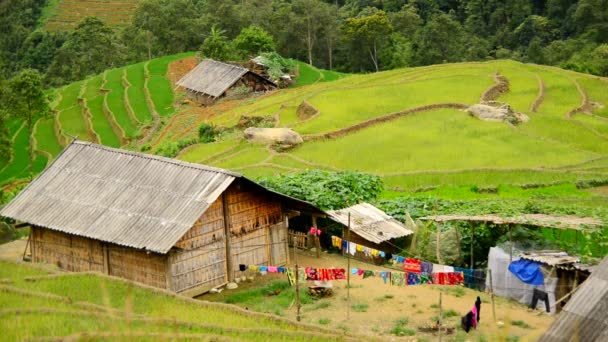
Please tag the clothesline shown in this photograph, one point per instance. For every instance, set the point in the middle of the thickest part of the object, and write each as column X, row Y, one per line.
column 473, row 278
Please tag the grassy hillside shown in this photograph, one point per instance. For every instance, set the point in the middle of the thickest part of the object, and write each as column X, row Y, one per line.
column 61, row 15
column 35, row 304
column 437, row 146
column 427, row 143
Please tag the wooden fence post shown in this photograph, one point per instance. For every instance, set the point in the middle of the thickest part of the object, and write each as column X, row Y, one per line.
column 492, row 294
column 440, row 330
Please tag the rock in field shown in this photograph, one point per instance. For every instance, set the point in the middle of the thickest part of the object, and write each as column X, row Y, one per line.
column 495, row 111
column 285, row 137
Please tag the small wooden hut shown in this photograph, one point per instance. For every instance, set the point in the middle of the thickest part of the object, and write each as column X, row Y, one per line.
column 211, row 80
column 369, row 226
column 162, row 222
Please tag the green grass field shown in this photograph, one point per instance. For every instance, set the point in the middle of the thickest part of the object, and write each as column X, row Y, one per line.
column 101, row 125
column 96, row 305
column 46, row 138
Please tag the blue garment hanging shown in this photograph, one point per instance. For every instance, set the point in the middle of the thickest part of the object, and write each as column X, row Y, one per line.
column 527, row 271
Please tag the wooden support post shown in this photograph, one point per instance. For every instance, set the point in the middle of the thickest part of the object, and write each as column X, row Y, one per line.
column 492, row 295
column 440, row 323
column 286, row 223
column 510, row 244
column 106, row 258
column 295, row 257
column 348, row 270
column 33, row 243
column 438, row 250
column 472, row 225
column 227, row 233
column 29, row 238
column 316, row 237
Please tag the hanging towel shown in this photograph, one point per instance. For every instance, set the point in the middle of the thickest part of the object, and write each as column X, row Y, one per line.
column 411, row 265
column 352, row 248
column 448, row 269
column 400, row 259
column 398, row 278
column 360, row 248
column 426, row 267
column 437, row 268
column 263, row 268
column 345, row 245
column 242, row 267
column 354, row 270
column 381, row 253
column 273, row 269
column 413, row 278
column 281, row 269
column 367, row 274
column 385, row 275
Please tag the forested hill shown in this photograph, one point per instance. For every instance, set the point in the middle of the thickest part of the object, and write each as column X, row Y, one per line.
column 345, row 35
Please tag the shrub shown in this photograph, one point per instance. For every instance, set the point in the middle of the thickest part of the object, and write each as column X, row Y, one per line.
column 207, row 133
column 324, row 321
column 521, row 324
column 172, row 148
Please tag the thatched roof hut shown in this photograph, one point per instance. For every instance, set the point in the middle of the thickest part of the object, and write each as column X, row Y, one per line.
column 210, row 80
column 163, row 222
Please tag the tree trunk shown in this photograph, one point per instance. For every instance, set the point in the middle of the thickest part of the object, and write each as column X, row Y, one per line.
column 373, row 55
column 330, row 48
column 30, row 149
column 309, row 41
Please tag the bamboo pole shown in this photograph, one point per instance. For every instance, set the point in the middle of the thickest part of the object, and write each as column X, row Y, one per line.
column 438, row 250
column 286, row 220
column 472, row 237
column 348, row 271
column 29, row 238
column 316, row 238
column 298, row 306
column 510, row 243
column 227, row 233
column 440, row 330
column 492, row 295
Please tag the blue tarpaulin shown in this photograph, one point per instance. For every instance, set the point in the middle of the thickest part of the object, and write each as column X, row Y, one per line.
column 527, row 271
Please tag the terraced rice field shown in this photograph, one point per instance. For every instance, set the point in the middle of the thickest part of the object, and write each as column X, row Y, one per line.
column 66, row 14
column 404, row 125
column 113, row 108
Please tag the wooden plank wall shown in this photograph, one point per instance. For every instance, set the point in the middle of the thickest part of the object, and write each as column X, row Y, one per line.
column 73, row 253
column 251, row 213
column 200, row 260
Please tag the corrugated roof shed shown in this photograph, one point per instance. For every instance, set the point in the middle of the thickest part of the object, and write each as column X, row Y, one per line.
column 370, row 222
column 212, row 77
column 123, row 197
column 584, row 317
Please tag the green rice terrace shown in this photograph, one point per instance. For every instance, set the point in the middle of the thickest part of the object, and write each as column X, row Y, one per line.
column 407, row 126
column 62, row 15
column 35, row 304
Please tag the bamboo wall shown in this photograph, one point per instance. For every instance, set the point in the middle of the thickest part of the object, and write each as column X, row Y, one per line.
column 137, row 265
column 251, row 213
column 79, row 254
column 200, row 260
column 73, row 253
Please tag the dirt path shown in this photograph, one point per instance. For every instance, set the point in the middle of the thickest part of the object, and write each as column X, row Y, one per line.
column 501, row 86
column 387, row 304
column 540, row 97
column 13, row 250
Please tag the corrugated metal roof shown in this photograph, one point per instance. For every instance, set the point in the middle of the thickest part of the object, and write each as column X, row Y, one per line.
column 370, row 222
column 127, row 198
column 212, row 77
column 539, row 220
column 550, row 258
column 584, row 316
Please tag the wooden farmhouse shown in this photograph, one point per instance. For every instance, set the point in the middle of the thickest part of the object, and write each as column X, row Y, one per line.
column 211, row 80
column 162, row 222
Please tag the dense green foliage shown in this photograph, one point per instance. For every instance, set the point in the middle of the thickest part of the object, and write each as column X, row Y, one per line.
column 350, row 35
column 328, row 190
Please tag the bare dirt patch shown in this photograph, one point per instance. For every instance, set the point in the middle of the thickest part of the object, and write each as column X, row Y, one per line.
column 177, row 69
column 377, row 308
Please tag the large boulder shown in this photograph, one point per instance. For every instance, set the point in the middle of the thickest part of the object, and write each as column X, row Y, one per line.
column 284, row 137
column 497, row 112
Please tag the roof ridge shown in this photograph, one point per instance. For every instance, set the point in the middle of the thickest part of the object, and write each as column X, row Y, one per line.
column 158, row 158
